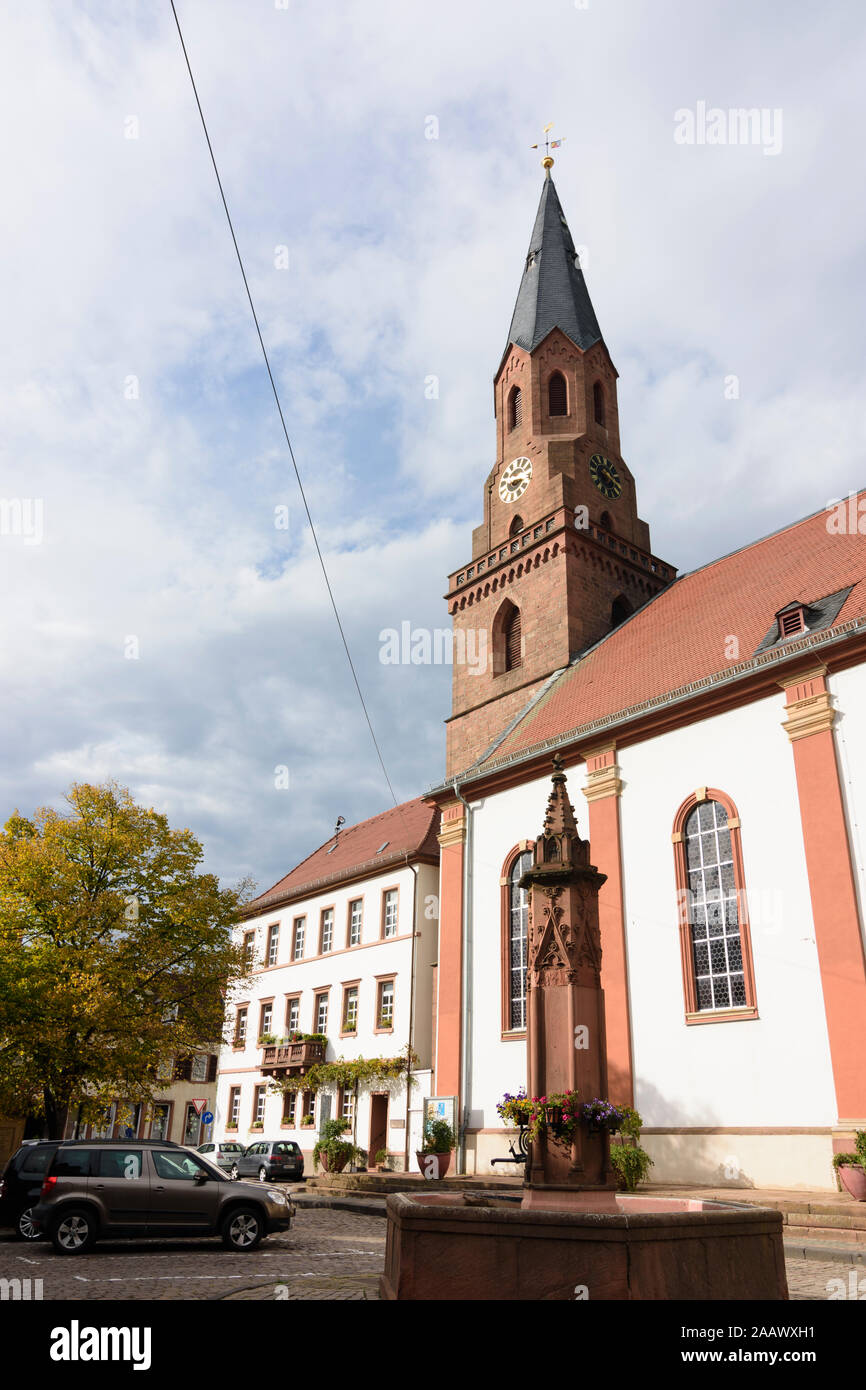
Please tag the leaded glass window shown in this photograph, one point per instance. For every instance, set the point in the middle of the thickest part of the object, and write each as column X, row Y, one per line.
column 518, row 931
column 714, row 920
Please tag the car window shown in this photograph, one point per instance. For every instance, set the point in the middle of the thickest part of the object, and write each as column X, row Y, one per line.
column 37, row 1160
column 254, row 1149
column 71, row 1163
column 120, row 1163
column 205, row 1148
column 230, row 1148
column 284, row 1149
column 179, row 1166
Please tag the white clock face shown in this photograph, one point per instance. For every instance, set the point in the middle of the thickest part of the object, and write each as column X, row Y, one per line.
column 515, row 480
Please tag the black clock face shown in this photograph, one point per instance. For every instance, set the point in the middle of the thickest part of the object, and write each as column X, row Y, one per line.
column 605, row 476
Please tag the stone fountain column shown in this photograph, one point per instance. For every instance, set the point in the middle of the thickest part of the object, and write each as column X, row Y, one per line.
column 565, row 1004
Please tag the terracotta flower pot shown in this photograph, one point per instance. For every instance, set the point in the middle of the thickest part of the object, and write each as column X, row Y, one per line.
column 434, row 1165
column 339, row 1165
column 853, row 1179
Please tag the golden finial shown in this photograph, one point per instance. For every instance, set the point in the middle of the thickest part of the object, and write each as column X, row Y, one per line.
column 547, row 161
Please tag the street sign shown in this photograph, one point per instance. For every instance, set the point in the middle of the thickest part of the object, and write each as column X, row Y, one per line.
column 199, row 1103
column 207, row 1118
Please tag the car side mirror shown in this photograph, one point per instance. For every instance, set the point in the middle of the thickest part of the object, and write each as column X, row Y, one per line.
column 200, row 1177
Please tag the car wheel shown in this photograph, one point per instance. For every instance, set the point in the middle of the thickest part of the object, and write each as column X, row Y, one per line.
column 74, row 1232
column 243, row 1229
column 233, row 1171
column 263, row 1174
column 25, row 1226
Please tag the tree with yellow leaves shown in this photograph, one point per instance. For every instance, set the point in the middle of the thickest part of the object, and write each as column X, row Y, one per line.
column 115, row 953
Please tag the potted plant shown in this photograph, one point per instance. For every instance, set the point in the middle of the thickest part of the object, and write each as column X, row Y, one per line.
column 307, row 1122
column 257, row 1124
column 332, row 1151
column 628, row 1160
column 382, row 1160
column 631, row 1164
column 232, row 1124
column 434, row 1159
column 515, row 1110
column 851, row 1168
column 385, row 1021
column 601, row 1115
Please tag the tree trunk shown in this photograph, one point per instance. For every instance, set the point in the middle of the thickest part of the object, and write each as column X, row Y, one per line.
column 56, row 1115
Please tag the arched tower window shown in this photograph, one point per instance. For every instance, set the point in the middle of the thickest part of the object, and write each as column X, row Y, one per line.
column 513, row 653
column 620, row 610
column 715, row 942
column 515, row 407
column 606, row 521
column 557, row 395
column 516, row 526
column 598, row 403
column 506, row 638
column 515, row 935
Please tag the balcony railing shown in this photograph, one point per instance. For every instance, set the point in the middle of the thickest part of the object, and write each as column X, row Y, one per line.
column 296, row 1056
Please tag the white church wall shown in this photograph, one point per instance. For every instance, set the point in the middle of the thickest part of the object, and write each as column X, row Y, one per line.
column 773, row 1072
column 497, row 1065
column 770, row 1073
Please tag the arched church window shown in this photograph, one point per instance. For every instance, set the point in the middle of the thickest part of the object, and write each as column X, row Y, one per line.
column 598, row 403
column 506, row 638
column 715, row 941
column 513, row 654
column 515, row 936
column 620, row 610
column 557, row 395
column 606, row 521
column 515, row 407
column 516, row 526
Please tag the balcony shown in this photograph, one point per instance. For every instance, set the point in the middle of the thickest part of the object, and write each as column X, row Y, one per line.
column 280, row 1058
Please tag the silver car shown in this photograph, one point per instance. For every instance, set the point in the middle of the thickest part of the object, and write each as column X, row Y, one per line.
column 225, row 1155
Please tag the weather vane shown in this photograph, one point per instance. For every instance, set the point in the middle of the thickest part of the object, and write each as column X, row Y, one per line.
column 549, row 145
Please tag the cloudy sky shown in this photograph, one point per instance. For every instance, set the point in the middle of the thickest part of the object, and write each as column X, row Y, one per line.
column 165, row 631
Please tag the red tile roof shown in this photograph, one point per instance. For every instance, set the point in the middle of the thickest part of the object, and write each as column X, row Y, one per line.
column 683, row 634
column 371, row 845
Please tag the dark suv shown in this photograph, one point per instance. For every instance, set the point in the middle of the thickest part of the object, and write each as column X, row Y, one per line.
column 21, row 1185
column 272, row 1158
column 101, row 1189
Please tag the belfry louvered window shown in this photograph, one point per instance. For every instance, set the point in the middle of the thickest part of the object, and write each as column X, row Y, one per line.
column 557, row 397
column 515, row 407
column 518, row 931
column 512, row 641
column 713, row 909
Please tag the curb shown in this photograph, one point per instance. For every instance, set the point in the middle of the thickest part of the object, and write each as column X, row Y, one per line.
column 362, row 1206
column 830, row 1254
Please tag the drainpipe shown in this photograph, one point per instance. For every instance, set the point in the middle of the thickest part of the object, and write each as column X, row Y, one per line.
column 414, row 868
column 466, row 986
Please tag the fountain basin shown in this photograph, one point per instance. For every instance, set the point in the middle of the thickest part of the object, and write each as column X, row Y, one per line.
column 447, row 1246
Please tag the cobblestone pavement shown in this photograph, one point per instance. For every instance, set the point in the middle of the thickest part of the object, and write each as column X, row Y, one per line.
column 824, row 1279
column 326, row 1255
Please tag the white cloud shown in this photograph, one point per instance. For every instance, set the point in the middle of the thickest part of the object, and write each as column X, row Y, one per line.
column 404, row 260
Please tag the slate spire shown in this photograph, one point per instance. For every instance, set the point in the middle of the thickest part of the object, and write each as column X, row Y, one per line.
column 553, row 292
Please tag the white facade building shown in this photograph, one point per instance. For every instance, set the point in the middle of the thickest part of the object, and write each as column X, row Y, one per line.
column 343, row 949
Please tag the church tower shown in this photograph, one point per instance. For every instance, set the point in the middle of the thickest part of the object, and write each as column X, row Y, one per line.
column 561, row 556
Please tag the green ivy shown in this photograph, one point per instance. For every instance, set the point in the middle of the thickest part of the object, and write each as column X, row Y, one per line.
column 356, row 1072
column 630, row 1163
